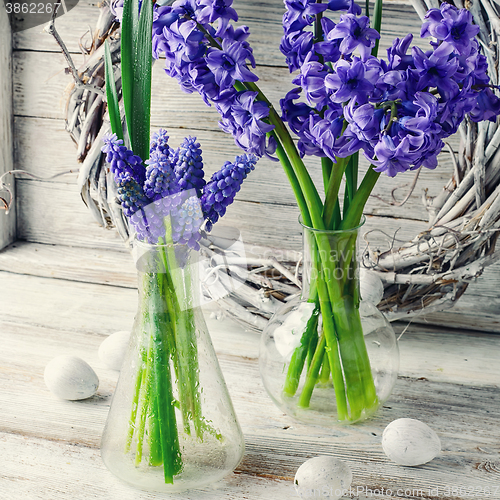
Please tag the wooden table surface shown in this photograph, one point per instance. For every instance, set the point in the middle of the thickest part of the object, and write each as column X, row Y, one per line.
column 49, row 448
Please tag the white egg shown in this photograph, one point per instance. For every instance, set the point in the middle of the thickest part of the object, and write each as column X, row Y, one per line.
column 324, row 476
column 112, row 350
column 407, row 441
column 371, row 286
column 70, row 377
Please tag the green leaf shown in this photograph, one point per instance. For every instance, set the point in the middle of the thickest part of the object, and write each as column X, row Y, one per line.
column 130, row 24
column 111, row 94
column 141, row 99
column 377, row 22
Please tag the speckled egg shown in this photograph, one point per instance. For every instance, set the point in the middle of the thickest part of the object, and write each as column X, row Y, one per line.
column 407, row 441
column 327, row 475
column 112, row 350
column 70, row 377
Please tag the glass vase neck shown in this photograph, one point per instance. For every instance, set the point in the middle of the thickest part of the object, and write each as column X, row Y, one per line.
column 330, row 252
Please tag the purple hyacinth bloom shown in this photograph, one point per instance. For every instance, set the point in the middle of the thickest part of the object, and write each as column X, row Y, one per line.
column 185, row 41
column 116, row 8
column 189, row 165
column 452, row 26
column 424, row 110
column 186, row 8
column 487, row 106
column 217, row 10
column 312, row 80
column 230, row 63
column 353, row 80
column 355, row 33
column 397, row 54
column 393, row 158
column 325, row 132
column 122, row 160
column 296, row 47
column 223, row 186
column 300, row 13
column 330, row 49
column 363, row 129
column 244, row 119
column 349, row 5
column 436, row 71
column 295, row 114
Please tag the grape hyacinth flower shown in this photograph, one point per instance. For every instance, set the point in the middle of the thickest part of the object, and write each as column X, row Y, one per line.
column 223, row 186
column 189, row 165
column 161, row 180
column 169, row 199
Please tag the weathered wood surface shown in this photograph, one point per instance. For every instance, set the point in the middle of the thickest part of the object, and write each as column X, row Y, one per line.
column 115, row 267
column 50, row 448
column 7, row 222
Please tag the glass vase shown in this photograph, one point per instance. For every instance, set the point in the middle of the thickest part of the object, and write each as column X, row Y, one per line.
column 171, row 424
column 327, row 357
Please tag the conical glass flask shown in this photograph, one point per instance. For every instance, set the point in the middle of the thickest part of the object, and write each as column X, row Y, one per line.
column 171, row 425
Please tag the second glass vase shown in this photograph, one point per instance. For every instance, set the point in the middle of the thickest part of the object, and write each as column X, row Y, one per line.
column 171, row 425
column 327, row 357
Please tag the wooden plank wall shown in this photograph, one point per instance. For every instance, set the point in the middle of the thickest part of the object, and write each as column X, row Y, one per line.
column 7, row 221
column 53, row 213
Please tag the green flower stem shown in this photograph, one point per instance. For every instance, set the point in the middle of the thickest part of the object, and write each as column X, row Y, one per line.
column 377, row 23
column 299, row 356
column 312, row 373
column 165, row 402
column 335, row 310
column 308, row 190
column 351, row 180
column 186, row 356
column 311, row 350
column 145, row 399
column 324, row 376
column 326, row 170
column 359, row 200
column 311, row 196
column 332, row 350
column 155, row 453
column 331, row 218
column 292, row 178
column 135, row 399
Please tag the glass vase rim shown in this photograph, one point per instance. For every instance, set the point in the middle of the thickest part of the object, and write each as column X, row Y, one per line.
column 145, row 244
column 333, row 231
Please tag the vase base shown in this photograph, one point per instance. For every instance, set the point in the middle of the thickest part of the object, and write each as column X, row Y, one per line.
column 148, row 478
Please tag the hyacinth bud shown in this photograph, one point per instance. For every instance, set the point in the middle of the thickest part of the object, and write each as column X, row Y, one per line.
column 189, row 165
column 123, row 160
column 187, row 221
column 159, row 143
column 130, row 194
column 160, row 176
column 223, row 186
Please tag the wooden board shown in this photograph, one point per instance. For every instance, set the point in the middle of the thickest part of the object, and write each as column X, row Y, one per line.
column 116, row 268
column 50, row 448
column 7, row 222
